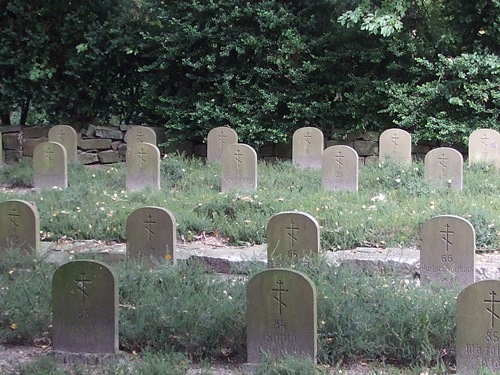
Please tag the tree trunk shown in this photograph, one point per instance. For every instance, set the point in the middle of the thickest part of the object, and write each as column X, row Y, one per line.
column 5, row 118
column 24, row 112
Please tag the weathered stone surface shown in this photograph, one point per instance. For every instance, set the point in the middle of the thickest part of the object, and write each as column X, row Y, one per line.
column 333, row 142
column 444, row 168
column 19, row 226
column 143, row 166
column 90, row 132
column 291, row 236
column 239, row 168
column 10, row 129
column 35, row 131
column 12, row 141
column 217, row 139
column 140, row 134
column 366, row 148
column 340, row 169
column 108, row 156
column 87, row 158
column 66, row 136
column 115, row 145
column 29, row 145
column 447, row 252
column 94, row 144
column 477, row 328
column 108, row 132
column 50, row 166
column 395, row 144
column 151, row 233
column 484, row 147
column 307, row 147
column 281, row 316
column 85, row 308
column 370, row 136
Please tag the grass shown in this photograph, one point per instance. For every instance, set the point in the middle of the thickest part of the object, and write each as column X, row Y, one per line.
column 371, row 317
column 388, row 210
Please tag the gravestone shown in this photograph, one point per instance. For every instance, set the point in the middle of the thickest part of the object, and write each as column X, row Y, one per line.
column 291, row 236
column 85, row 308
column 307, row 148
column 281, row 316
column 340, row 169
column 478, row 328
column 444, row 168
column 151, row 233
column 1, row 151
column 484, row 147
column 50, row 166
column 143, row 166
column 395, row 144
column 66, row 136
column 239, row 168
column 217, row 139
column 140, row 134
column 19, row 226
column 447, row 251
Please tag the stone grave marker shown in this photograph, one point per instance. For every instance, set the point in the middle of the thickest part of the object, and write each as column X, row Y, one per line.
column 447, row 251
column 307, row 147
column 281, row 315
column 50, row 166
column 291, row 235
column 239, row 168
column 340, row 169
column 140, row 134
column 143, row 166
column 19, row 226
column 478, row 328
column 217, row 139
column 484, row 147
column 395, row 144
column 444, row 168
column 66, row 136
column 151, row 233
column 1, row 151
column 85, row 308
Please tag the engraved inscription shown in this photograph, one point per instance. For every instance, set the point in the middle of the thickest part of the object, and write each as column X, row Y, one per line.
column 307, row 138
column 61, row 135
column 13, row 217
column 142, row 155
column 81, row 284
column 148, row 226
column 442, row 163
column 446, row 237
column 48, row 156
column 140, row 136
column 394, row 140
column 237, row 156
column 292, row 229
column 340, row 164
column 278, row 297
column 491, row 308
column 484, row 142
column 222, row 142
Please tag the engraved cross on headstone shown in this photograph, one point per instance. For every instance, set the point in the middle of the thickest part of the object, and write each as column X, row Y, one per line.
column 307, row 138
column 237, row 155
column 141, row 154
column 48, row 155
column 81, row 284
column 491, row 309
column 291, row 232
column 484, row 138
column 13, row 219
column 140, row 136
column 148, row 226
column 340, row 164
column 279, row 297
column 221, row 138
column 61, row 134
column 446, row 236
column 442, row 162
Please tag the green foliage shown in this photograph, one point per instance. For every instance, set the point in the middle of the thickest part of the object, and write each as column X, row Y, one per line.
column 289, row 366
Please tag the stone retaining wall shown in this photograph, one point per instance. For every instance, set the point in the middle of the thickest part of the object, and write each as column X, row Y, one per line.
column 107, row 144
